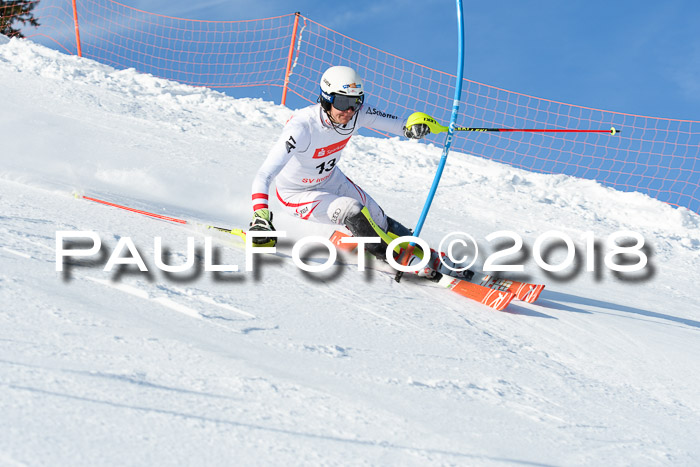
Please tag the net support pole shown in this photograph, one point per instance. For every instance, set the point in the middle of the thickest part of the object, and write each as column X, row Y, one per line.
column 289, row 58
column 77, row 30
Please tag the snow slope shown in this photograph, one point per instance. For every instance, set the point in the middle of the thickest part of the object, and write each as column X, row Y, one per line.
column 282, row 367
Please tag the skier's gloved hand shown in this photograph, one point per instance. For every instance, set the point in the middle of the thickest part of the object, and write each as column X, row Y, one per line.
column 262, row 221
column 416, row 131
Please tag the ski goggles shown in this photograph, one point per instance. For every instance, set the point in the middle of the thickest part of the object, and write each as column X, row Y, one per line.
column 343, row 102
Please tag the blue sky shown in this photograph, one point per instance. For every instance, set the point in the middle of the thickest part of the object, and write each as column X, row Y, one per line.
column 638, row 57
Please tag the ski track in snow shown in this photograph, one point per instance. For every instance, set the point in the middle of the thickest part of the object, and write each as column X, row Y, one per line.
column 284, row 367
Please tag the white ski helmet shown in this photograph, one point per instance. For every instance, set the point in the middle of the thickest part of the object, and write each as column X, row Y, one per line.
column 340, row 80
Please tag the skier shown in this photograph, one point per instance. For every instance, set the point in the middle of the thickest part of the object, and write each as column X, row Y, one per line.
column 304, row 164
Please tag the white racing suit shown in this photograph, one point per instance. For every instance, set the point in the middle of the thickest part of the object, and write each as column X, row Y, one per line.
column 304, row 164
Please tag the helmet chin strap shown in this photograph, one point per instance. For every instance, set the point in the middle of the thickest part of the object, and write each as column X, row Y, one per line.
column 337, row 126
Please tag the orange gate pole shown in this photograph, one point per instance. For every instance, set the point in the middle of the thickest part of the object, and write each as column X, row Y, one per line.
column 77, row 30
column 289, row 58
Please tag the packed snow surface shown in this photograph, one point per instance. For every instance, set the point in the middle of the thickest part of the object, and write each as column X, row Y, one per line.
column 283, row 367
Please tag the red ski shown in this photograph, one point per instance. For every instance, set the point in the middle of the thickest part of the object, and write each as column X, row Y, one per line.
column 494, row 298
column 524, row 291
column 491, row 297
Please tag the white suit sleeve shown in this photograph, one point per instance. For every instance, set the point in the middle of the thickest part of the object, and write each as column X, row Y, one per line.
column 294, row 138
column 374, row 118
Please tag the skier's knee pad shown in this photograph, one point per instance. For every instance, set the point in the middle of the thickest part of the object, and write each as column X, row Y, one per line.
column 340, row 209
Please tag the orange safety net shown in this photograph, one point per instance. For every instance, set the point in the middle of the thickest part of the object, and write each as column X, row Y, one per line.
column 656, row 156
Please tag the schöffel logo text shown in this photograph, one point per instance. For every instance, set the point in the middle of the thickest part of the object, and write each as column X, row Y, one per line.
column 373, row 111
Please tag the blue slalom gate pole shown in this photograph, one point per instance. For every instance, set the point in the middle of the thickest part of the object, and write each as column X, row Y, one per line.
column 450, row 131
column 453, row 122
